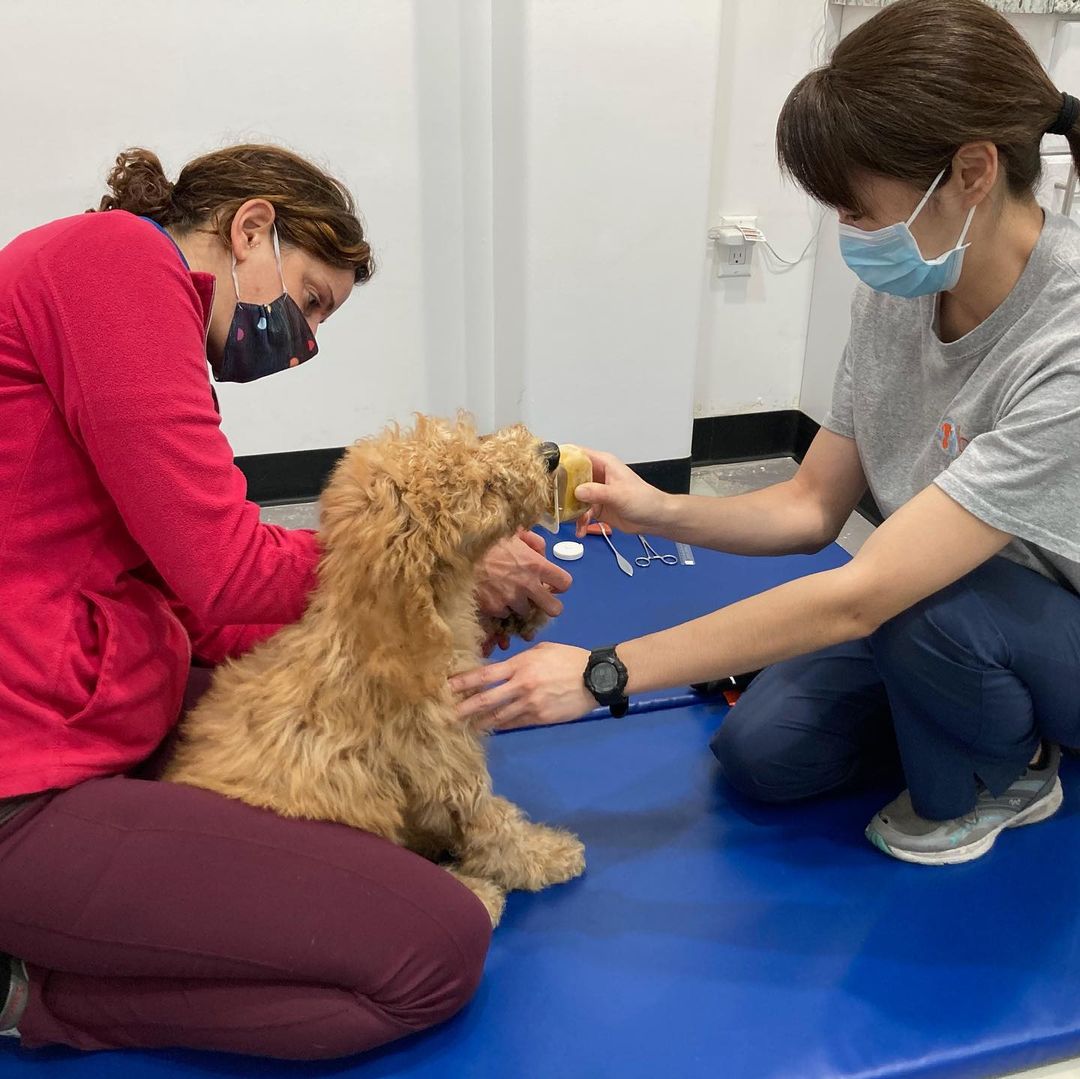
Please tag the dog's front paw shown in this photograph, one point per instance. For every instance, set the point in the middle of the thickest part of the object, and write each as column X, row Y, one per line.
column 487, row 891
column 514, row 625
column 561, row 855
column 541, row 856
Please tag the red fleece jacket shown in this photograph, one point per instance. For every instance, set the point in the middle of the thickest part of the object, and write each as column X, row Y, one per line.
column 126, row 541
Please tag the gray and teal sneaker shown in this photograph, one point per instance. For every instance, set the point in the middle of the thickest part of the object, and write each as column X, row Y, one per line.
column 14, row 989
column 898, row 830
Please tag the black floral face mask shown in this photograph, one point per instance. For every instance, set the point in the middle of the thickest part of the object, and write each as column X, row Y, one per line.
column 265, row 338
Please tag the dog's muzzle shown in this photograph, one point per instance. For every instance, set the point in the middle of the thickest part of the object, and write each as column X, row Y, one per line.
column 550, row 453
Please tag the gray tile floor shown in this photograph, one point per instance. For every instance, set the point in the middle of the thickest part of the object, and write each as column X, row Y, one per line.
column 297, row 515
column 717, row 480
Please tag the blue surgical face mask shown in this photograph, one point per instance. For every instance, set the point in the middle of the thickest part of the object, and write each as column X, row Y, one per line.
column 265, row 338
column 889, row 259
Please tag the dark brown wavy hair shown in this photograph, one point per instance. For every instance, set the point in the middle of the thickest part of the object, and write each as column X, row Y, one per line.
column 904, row 91
column 314, row 211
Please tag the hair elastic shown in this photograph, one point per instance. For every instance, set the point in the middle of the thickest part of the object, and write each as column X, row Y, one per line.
column 1067, row 117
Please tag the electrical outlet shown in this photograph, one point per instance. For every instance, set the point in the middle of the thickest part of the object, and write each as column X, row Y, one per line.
column 734, row 253
column 733, row 260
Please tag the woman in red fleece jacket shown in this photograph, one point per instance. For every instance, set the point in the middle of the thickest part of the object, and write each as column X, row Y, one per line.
column 142, row 913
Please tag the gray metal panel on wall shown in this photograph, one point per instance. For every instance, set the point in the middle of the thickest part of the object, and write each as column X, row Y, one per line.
column 1016, row 7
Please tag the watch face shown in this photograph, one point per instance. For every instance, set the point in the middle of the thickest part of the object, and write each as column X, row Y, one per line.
column 604, row 677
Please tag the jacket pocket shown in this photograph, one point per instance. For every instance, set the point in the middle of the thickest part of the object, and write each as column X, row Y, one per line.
column 104, row 623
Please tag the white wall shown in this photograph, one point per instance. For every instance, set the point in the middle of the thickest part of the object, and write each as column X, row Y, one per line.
column 533, row 174
column 537, row 175
column 599, row 244
column 753, row 330
column 333, row 80
column 833, row 283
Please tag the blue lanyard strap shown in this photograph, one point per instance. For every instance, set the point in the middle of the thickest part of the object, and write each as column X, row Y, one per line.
column 165, row 232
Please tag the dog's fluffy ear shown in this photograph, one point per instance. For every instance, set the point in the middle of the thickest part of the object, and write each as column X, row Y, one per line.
column 384, row 539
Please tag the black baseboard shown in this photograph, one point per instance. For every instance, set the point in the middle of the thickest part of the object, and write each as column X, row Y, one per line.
column 276, row 479
column 299, row 475
column 294, row 476
column 721, row 440
column 805, row 430
column 671, row 476
column 725, row 439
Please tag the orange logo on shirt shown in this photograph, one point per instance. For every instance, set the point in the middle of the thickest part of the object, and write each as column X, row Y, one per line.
column 949, row 438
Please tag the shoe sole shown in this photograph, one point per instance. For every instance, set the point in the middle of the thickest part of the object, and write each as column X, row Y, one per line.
column 1039, row 810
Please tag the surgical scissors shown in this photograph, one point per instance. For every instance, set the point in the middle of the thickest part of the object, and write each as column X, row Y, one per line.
column 650, row 555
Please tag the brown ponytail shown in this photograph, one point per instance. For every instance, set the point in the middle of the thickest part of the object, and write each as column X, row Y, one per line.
column 907, row 89
column 314, row 211
column 139, row 185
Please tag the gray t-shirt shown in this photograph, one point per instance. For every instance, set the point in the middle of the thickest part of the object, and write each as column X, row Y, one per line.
column 993, row 418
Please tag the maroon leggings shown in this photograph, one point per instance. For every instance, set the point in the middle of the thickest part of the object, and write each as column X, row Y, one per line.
column 156, row 915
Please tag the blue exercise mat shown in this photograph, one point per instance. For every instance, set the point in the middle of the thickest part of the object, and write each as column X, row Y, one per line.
column 712, row 937
column 605, row 606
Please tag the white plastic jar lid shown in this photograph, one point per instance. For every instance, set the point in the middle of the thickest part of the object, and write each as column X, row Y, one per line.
column 568, row 551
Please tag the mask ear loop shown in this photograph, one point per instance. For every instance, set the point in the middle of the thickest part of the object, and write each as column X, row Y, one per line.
column 967, row 224
column 277, row 258
column 235, row 282
column 925, row 199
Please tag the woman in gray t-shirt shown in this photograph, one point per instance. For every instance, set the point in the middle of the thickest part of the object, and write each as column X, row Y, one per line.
column 954, row 635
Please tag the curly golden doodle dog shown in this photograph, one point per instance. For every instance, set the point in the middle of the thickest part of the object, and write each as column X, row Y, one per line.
column 346, row 716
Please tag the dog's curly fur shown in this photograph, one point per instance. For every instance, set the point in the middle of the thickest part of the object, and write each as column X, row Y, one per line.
column 346, row 715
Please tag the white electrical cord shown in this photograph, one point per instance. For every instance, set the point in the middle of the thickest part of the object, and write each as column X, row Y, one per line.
column 788, row 263
column 752, row 235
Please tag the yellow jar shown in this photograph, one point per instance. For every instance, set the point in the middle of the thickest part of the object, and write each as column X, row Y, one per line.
column 574, row 469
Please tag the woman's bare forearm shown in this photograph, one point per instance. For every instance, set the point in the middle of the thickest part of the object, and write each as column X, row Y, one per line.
column 775, row 520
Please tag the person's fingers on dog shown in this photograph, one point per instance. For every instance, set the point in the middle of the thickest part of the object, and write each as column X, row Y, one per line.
column 492, row 604
column 508, row 718
column 468, row 694
column 489, row 701
column 498, row 640
column 521, row 604
column 550, row 604
column 531, row 539
column 479, row 677
column 473, row 685
column 502, row 576
column 549, row 686
column 555, row 577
